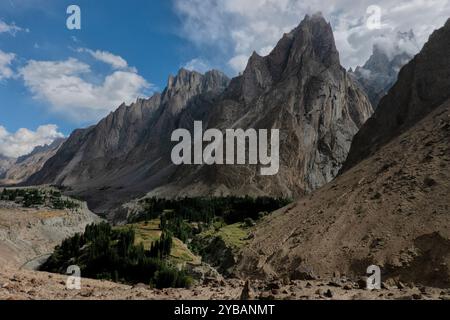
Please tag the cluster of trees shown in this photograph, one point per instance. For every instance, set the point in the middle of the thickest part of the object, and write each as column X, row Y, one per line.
column 61, row 204
column 111, row 254
column 161, row 248
column 36, row 197
column 176, row 225
column 27, row 197
column 231, row 209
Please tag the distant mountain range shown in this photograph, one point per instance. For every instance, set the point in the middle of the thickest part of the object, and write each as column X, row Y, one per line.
column 15, row 171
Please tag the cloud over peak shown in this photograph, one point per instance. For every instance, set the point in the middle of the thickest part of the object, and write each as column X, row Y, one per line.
column 395, row 44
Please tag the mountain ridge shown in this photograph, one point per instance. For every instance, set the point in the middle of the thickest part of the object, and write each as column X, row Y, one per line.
column 299, row 88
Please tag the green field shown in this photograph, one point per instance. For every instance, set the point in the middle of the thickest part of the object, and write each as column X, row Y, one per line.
column 149, row 232
column 233, row 235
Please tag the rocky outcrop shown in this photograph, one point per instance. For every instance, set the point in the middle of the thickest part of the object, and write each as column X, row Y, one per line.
column 380, row 72
column 390, row 207
column 20, row 169
column 300, row 88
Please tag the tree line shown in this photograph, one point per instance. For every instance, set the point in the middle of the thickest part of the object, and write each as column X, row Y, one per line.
column 204, row 209
column 35, row 197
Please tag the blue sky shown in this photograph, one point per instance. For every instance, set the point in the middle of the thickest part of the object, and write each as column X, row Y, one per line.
column 53, row 80
column 144, row 33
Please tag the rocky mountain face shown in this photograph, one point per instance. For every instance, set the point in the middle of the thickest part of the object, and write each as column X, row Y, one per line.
column 380, row 72
column 22, row 168
column 300, row 88
column 128, row 152
column 390, row 206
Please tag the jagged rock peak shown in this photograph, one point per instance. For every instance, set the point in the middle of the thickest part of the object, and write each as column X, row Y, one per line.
column 310, row 44
column 188, row 84
column 215, row 80
column 183, row 78
column 314, row 36
column 186, row 79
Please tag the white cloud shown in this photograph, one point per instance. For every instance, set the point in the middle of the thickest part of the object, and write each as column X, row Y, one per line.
column 63, row 85
column 5, row 65
column 24, row 140
column 236, row 28
column 198, row 65
column 10, row 28
column 117, row 62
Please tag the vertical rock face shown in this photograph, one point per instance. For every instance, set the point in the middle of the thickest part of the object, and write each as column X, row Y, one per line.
column 187, row 84
column 423, row 85
column 300, row 88
column 380, row 72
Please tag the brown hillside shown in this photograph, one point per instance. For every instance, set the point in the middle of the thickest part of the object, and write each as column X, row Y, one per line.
column 391, row 210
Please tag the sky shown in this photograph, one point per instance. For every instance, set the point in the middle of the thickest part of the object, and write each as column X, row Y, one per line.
column 54, row 79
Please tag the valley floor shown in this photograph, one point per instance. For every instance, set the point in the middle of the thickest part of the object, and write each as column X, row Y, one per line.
column 31, row 285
